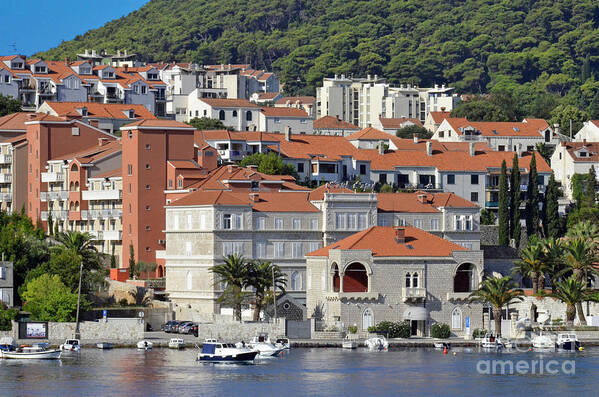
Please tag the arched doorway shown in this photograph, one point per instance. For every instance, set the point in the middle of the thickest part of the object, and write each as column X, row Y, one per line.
column 456, row 318
column 464, row 278
column 160, row 271
column 367, row 319
column 336, row 279
column 355, row 278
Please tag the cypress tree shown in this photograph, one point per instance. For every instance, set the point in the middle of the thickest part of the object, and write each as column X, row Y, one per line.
column 551, row 220
column 131, row 261
column 504, row 212
column 50, row 223
column 592, row 186
column 532, row 199
column 515, row 228
column 113, row 259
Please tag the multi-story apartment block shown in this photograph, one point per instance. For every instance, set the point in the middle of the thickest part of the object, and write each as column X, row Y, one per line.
column 282, row 120
column 570, row 158
column 13, row 161
column 329, row 125
column 511, row 136
column 283, row 226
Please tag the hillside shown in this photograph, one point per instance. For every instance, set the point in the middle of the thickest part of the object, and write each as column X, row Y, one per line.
column 473, row 44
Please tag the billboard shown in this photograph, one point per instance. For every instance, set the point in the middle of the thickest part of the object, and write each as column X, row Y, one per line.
column 33, row 330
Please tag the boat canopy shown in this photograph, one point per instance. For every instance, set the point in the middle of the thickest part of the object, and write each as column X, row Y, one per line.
column 416, row 313
column 208, row 348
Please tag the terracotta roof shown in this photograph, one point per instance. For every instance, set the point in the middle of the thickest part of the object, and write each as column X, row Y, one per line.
column 438, row 117
column 596, row 122
column 420, row 202
column 219, row 197
column 284, row 112
column 265, row 76
column 228, row 103
column 100, row 110
column 15, row 139
column 268, row 95
column 92, row 153
column 333, row 123
column 109, row 174
column 215, row 179
column 14, row 121
column 591, row 147
column 398, row 123
column 166, row 124
column 526, row 128
column 324, row 147
column 318, row 193
column 381, row 241
column 249, row 136
column 184, row 164
column 259, row 201
column 295, row 99
column 369, row 134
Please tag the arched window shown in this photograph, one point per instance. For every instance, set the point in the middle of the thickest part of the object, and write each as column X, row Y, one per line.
column 160, row 271
column 221, row 115
column 76, row 205
column 408, row 280
column 464, row 278
column 188, row 280
column 72, row 186
column 77, row 186
column 72, row 206
column 74, row 168
column 415, row 280
column 367, row 319
column 336, row 278
column 456, row 318
column 355, row 278
column 296, row 281
column 248, row 115
column 234, row 113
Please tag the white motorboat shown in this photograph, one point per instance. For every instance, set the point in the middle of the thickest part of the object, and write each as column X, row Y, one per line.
column 489, row 341
column 283, row 343
column 442, row 345
column 377, row 343
column 144, row 345
column 567, row 341
column 543, row 342
column 37, row 351
column 215, row 351
column 349, row 344
column 7, row 343
column 262, row 343
column 176, row 343
column 104, row 345
column 71, row 345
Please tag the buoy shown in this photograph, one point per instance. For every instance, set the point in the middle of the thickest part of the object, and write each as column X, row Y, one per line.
column 580, row 348
column 530, row 349
column 445, row 350
column 454, row 353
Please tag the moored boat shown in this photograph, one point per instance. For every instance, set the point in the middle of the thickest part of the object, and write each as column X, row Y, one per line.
column 104, row 345
column 567, row 341
column 349, row 344
column 71, row 345
column 261, row 342
column 283, row 343
column 442, row 345
column 35, row 352
column 543, row 342
column 377, row 343
column 176, row 343
column 7, row 343
column 144, row 345
column 489, row 341
column 215, row 351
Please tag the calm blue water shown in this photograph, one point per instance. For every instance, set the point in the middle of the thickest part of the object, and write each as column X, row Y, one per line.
column 300, row 372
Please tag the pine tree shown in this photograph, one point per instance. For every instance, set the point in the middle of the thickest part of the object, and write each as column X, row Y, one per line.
column 515, row 228
column 532, row 199
column 50, row 223
column 504, row 212
column 551, row 218
column 131, row 261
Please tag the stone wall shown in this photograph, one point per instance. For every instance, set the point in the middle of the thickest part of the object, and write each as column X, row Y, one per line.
column 489, row 235
column 235, row 332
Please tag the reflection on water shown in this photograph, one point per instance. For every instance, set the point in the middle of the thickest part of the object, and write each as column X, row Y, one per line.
column 319, row 372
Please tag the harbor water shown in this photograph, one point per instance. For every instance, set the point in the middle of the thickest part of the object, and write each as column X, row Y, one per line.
column 305, row 372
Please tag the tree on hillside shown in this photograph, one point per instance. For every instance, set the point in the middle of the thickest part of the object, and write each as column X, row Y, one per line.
column 271, row 164
column 584, row 189
column 9, row 105
column 480, row 109
column 206, row 123
column 409, row 131
column 564, row 114
column 532, row 199
column 503, row 210
column 515, row 227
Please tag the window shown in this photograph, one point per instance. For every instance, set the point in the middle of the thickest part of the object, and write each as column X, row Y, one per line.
column 147, row 187
column 458, row 223
column 227, row 221
column 352, row 221
column 232, row 247
column 441, row 134
column 278, row 223
column 435, row 224
column 300, row 167
column 261, row 250
column 260, row 223
column 314, row 224
column 340, row 221
column 234, row 113
column 221, row 115
column 501, row 148
column 540, row 180
column 456, row 318
column 468, row 223
column 277, row 120
column 296, row 250
column 147, row 166
column 474, row 179
column 296, row 281
column 408, row 280
column 415, row 280
column 148, row 147
column 75, row 131
column 236, row 221
column 362, row 218
column 451, row 179
column 418, row 223
column 147, row 227
column 279, row 249
column 367, row 319
column 147, row 249
column 248, row 115
column 297, row 224
column 314, row 245
column 144, row 89
column 7, row 78
column 463, row 222
column 474, row 196
column 362, row 169
column 2, row 274
column 188, row 248
column 188, row 280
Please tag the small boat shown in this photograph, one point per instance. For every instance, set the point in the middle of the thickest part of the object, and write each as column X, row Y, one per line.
column 144, row 345
column 567, row 341
column 377, row 343
column 543, row 342
column 349, row 344
column 442, row 345
column 104, row 345
column 215, row 351
column 261, row 342
column 176, row 343
column 38, row 351
column 283, row 343
column 489, row 341
column 7, row 343
column 71, row 345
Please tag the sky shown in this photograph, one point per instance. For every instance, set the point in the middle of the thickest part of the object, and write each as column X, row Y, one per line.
column 36, row 25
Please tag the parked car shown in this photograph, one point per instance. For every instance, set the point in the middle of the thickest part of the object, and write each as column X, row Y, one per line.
column 169, row 326
column 185, row 327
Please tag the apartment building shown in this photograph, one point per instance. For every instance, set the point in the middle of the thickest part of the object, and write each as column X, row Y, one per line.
column 282, row 226
column 329, row 125
column 239, row 114
column 570, row 158
column 511, row 136
column 394, row 274
column 13, row 161
column 283, row 120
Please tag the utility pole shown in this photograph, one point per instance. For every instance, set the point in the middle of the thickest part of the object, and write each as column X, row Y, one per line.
column 77, row 335
column 274, row 291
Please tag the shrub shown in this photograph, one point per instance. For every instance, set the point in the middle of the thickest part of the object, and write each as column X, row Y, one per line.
column 6, row 317
column 352, row 329
column 372, row 329
column 123, row 302
column 440, row 330
column 393, row 330
column 479, row 333
column 332, row 328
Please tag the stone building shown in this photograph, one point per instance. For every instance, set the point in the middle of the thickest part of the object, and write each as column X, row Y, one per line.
column 394, row 274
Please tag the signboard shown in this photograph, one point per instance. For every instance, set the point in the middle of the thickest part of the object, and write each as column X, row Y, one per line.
column 468, row 325
column 104, row 314
column 33, row 330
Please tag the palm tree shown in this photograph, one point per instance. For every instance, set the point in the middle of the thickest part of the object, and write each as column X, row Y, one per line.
column 261, row 278
column 532, row 265
column 498, row 292
column 235, row 273
column 579, row 258
column 585, row 230
column 572, row 292
column 553, row 254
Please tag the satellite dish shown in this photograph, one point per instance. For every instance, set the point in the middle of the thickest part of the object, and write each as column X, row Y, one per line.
column 141, row 314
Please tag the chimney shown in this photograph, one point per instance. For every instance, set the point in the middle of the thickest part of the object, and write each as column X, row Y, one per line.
column 415, row 138
column 422, row 198
column 66, row 61
column 471, row 149
column 254, row 197
column 86, row 51
column 382, row 147
column 102, row 141
column 400, row 235
column 288, row 133
column 429, row 148
column 31, row 115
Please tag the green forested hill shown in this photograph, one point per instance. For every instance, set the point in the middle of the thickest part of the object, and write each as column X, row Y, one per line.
column 550, row 46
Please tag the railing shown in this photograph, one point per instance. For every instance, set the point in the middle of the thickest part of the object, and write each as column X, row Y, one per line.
column 5, row 158
column 59, row 195
column 492, row 204
column 6, row 197
column 110, row 235
column 52, row 176
column 100, row 214
column 413, row 293
column 5, row 178
column 112, row 194
column 55, row 215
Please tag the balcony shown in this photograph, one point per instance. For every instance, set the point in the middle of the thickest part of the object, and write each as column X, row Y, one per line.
column 413, row 294
column 102, row 214
column 458, row 296
column 112, row 194
column 110, row 235
column 6, row 197
column 5, row 178
column 5, row 158
column 337, row 296
column 52, row 176
column 55, row 215
column 491, row 204
column 50, row 196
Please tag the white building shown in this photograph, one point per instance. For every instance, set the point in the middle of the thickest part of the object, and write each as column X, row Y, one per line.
column 589, row 132
column 283, row 120
column 572, row 158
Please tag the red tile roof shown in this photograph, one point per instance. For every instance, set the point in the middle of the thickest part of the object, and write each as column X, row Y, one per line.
column 93, row 153
column 289, row 201
column 14, row 121
column 100, row 110
column 592, row 147
column 284, row 112
column 381, row 241
column 333, row 123
column 166, row 124
column 438, row 117
column 228, row 103
column 420, row 202
column 369, row 134
column 295, row 99
column 398, row 122
column 268, row 95
column 318, row 193
column 526, row 128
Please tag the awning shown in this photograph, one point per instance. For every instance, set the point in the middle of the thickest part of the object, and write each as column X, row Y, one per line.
column 415, row 313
